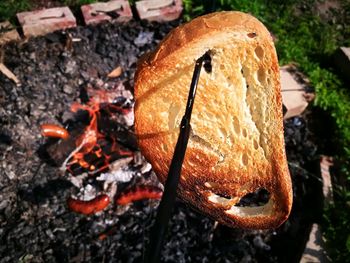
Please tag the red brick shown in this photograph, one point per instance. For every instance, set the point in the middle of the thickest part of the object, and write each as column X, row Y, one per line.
column 45, row 21
column 8, row 33
column 99, row 12
column 159, row 10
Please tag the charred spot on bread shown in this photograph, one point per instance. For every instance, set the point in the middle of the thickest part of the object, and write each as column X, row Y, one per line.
column 207, row 62
column 252, row 34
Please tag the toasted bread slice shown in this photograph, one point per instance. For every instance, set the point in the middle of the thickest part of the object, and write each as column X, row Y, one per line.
column 236, row 145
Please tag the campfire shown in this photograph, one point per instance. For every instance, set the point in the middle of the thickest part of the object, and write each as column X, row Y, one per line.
column 99, row 157
column 75, row 193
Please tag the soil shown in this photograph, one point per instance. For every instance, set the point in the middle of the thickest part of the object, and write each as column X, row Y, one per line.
column 35, row 224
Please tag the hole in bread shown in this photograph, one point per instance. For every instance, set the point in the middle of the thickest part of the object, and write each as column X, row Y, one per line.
column 259, row 52
column 251, row 35
column 245, row 133
column 236, row 125
column 222, row 67
column 221, row 195
column 245, row 159
column 256, row 144
column 222, row 199
column 261, row 75
column 231, row 139
column 257, row 198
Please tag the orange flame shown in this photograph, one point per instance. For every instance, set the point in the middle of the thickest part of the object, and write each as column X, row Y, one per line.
column 88, row 142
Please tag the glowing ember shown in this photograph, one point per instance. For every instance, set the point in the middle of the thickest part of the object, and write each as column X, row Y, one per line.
column 105, row 153
column 96, row 149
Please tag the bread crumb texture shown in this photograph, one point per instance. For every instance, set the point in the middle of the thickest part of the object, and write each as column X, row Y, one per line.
column 236, row 144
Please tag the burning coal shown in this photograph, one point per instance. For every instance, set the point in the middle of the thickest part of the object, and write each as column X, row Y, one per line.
column 103, row 152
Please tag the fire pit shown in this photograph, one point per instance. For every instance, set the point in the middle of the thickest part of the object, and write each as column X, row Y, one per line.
column 65, row 82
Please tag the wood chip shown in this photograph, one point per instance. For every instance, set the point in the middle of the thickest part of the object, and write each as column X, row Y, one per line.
column 8, row 73
column 115, row 73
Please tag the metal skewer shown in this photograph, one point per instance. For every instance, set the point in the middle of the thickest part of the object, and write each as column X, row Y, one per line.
column 166, row 204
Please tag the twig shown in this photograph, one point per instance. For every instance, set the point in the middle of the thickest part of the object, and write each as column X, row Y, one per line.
column 8, row 73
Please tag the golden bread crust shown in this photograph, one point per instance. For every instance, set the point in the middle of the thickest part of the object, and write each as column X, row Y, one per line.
column 236, row 145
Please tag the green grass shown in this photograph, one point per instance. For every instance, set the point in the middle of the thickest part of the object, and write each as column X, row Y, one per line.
column 9, row 8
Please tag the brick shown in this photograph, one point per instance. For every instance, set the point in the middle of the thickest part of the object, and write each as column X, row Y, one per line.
column 8, row 33
column 159, row 10
column 342, row 61
column 45, row 21
column 293, row 86
column 106, row 11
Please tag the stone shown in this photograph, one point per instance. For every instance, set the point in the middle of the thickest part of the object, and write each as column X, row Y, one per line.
column 158, row 10
column 41, row 22
column 8, row 33
column 293, row 88
column 106, row 11
column 325, row 163
column 342, row 61
column 68, row 89
column 315, row 247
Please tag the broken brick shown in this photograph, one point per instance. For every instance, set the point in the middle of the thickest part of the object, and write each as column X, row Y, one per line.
column 160, row 11
column 99, row 12
column 8, row 33
column 41, row 22
column 294, row 95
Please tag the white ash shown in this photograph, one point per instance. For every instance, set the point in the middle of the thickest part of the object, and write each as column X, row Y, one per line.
column 78, row 180
column 118, row 90
column 146, row 168
column 143, row 38
column 129, row 118
column 119, row 172
column 120, row 163
column 87, row 193
column 121, row 175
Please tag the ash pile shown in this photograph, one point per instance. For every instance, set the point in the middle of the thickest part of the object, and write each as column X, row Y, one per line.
column 63, row 77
